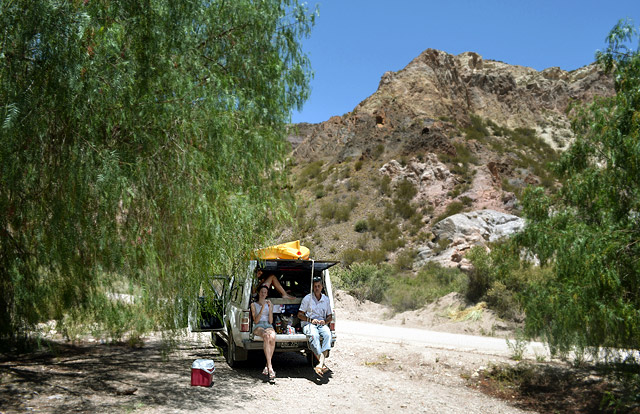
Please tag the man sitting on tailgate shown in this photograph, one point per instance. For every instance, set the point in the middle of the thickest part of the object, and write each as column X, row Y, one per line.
column 315, row 316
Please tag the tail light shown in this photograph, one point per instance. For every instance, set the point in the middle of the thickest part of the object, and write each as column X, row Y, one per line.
column 332, row 324
column 244, row 322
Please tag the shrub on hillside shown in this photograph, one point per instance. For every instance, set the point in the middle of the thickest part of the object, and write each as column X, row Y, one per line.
column 378, row 151
column 361, row 226
column 353, row 184
column 374, row 224
column 391, row 238
column 345, row 172
column 454, row 207
column 405, row 190
column 363, row 241
column 477, row 130
column 408, row 292
column 415, row 224
column 353, row 255
column 365, row 281
column 502, row 280
column 403, row 209
column 385, row 185
column 311, row 171
column 405, row 259
column 340, row 212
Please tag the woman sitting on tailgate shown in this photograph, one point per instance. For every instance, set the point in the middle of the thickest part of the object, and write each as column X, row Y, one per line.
column 262, row 312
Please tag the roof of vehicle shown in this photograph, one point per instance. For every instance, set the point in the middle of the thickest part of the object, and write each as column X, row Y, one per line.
column 318, row 266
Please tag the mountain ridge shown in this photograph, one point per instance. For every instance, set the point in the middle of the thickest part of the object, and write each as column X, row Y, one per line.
column 464, row 132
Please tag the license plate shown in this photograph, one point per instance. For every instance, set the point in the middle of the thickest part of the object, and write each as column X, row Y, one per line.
column 288, row 344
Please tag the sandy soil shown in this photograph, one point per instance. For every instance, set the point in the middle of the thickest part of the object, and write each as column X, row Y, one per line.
column 368, row 374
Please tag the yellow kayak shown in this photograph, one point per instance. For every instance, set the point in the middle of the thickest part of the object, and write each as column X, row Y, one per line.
column 290, row 250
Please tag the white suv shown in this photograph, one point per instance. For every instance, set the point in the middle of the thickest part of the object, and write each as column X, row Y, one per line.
column 227, row 315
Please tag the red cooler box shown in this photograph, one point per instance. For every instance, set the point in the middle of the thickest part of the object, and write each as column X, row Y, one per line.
column 202, row 372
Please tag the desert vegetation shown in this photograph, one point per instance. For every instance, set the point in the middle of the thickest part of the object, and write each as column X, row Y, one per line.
column 580, row 205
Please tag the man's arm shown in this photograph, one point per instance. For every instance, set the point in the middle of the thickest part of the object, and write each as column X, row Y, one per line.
column 327, row 311
column 301, row 313
column 303, row 317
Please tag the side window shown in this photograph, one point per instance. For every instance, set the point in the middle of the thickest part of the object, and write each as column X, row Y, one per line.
column 236, row 292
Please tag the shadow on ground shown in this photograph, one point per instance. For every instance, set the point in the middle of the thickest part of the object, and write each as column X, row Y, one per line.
column 286, row 365
column 61, row 378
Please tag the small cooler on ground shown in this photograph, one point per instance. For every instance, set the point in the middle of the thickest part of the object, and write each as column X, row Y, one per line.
column 202, row 372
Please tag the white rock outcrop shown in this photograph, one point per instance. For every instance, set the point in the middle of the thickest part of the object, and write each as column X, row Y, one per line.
column 458, row 233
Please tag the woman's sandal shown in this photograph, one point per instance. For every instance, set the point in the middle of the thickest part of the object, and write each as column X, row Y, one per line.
column 272, row 375
column 325, row 369
column 265, row 371
column 319, row 371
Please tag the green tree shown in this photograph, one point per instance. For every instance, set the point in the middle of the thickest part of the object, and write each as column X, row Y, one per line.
column 138, row 142
column 589, row 232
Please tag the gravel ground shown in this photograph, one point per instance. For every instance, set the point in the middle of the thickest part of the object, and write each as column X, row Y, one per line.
column 381, row 362
column 369, row 373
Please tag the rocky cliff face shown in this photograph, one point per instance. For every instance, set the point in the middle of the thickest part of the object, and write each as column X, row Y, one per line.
column 468, row 134
column 437, row 86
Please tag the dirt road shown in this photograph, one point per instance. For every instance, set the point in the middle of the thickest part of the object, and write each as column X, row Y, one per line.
column 375, row 368
column 359, row 331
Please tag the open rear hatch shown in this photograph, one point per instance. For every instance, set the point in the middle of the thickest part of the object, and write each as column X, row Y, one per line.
column 292, row 265
column 296, row 277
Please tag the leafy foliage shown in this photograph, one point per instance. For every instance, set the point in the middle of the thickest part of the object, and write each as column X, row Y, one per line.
column 590, row 230
column 408, row 292
column 403, row 291
column 478, row 128
column 138, row 146
column 499, row 278
column 365, row 281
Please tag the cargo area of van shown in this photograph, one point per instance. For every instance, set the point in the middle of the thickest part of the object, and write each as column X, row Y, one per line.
column 227, row 314
column 295, row 278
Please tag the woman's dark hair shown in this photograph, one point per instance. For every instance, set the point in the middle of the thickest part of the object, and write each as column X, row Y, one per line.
column 262, row 286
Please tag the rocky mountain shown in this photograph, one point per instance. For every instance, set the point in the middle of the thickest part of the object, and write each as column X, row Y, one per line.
column 445, row 135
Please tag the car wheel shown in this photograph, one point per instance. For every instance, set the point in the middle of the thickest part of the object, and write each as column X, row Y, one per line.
column 231, row 353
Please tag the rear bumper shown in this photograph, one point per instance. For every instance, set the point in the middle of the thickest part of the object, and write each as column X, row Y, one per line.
column 284, row 342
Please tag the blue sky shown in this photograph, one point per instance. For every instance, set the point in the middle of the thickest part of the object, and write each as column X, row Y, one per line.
column 355, row 41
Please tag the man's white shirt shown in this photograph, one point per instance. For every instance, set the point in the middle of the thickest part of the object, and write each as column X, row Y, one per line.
column 314, row 308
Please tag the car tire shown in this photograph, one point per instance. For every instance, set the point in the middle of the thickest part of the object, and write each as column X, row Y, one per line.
column 231, row 353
